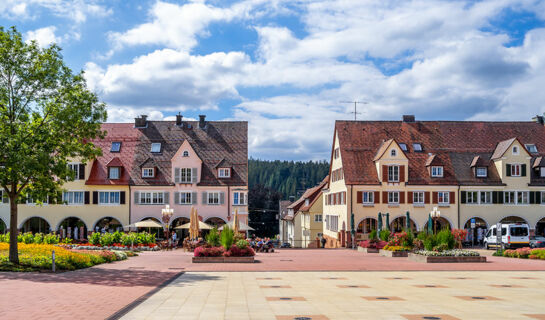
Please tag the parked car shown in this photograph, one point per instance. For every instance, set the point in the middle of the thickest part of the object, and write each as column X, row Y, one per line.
column 537, row 242
column 512, row 236
column 286, row 245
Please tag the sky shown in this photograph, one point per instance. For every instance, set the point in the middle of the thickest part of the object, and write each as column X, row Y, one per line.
column 290, row 67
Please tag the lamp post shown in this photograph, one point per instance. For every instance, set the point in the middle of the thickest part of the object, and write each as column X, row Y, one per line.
column 166, row 214
column 435, row 215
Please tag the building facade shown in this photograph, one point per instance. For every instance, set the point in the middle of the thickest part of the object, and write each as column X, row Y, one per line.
column 485, row 171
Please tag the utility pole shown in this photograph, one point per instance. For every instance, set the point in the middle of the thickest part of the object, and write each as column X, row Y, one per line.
column 355, row 112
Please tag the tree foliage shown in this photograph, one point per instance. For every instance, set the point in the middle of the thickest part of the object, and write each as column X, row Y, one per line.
column 47, row 117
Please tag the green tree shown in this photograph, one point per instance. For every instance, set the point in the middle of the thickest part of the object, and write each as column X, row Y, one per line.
column 47, row 117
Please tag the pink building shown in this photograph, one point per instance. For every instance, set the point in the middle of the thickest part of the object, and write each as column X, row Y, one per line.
column 201, row 164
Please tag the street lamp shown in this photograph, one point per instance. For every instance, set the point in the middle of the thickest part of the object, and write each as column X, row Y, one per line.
column 166, row 214
column 435, row 215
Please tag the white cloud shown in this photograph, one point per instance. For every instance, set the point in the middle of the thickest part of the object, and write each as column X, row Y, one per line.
column 44, row 36
column 75, row 10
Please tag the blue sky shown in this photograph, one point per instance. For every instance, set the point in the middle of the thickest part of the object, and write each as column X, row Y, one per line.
column 285, row 66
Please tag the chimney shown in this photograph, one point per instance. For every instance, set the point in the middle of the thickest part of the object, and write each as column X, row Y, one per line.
column 539, row 119
column 141, row 122
column 202, row 121
column 179, row 118
column 292, row 198
column 408, row 118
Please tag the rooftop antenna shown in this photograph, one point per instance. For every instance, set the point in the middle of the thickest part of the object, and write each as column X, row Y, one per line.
column 355, row 112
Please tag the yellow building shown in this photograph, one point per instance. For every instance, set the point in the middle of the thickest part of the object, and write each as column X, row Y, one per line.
column 395, row 167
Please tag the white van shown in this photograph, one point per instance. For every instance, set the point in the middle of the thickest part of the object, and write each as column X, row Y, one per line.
column 512, row 236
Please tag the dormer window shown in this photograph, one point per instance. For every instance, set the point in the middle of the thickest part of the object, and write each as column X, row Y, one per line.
column 224, row 172
column 116, row 146
column 417, row 147
column 531, row 148
column 515, row 150
column 114, row 173
column 307, row 202
column 542, row 172
column 393, row 153
column 403, row 146
column 185, row 154
column 437, row 171
column 156, row 147
column 481, row 172
column 148, row 172
column 393, row 173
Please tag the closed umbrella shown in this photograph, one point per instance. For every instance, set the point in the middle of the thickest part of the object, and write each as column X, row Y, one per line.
column 236, row 222
column 352, row 229
column 379, row 222
column 193, row 220
column 387, row 221
column 430, row 223
column 408, row 220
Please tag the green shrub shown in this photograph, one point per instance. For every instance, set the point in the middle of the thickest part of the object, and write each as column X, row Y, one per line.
column 106, row 239
column 51, row 239
column 430, row 242
column 447, row 238
column 441, row 247
column 373, row 234
column 38, row 238
column 27, row 238
column 422, row 236
column 94, row 239
column 241, row 244
column 213, row 237
column 408, row 242
column 384, row 235
column 227, row 237
column 116, row 237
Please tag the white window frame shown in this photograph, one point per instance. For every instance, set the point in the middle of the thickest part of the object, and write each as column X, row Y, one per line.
column 418, row 198
column 153, row 196
column 154, row 146
column 186, row 175
column 393, row 153
column 74, row 166
column 332, row 223
column 393, row 173
column 211, row 198
column 240, row 198
column 109, row 196
column 184, row 198
column 525, row 197
column 437, row 171
column 318, row 218
column 481, row 169
column 368, row 197
column 146, row 172
column 510, row 195
column 472, row 197
column 185, row 153
column 224, row 172
column 515, row 150
column 73, row 197
column 516, row 172
column 443, row 198
column 31, row 202
column 393, row 197
column 487, row 197
column 531, row 146
column 118, row 169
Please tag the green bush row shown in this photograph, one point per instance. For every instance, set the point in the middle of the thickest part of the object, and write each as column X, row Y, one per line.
column 127, row 239
column 29, row 238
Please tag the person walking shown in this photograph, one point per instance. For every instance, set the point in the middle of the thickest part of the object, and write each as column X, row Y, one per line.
column 323, row 241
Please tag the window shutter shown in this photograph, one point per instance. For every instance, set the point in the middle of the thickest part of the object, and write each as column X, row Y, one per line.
column 81, row 171
column 523, row 170
column 136, row 197
column 204, row 197
column 452, row 197
column 86, row 196
column 538, row 197
column 384, row 196
column 176, row 175
column 463, row 196
column 435, row 197
column 194, row 173
column 166, row 197
column 176, row 198
column 359, row 197
column 495, row 197
column 402, row 197
column 194, row 197
column 377, row 196
column 410, row 197
column 95, row 197
column 427, row 197
column 508, row 170
column 401, row 173
column 384, row 173
column 532, row 197
column 122, row 197
column 222, row 197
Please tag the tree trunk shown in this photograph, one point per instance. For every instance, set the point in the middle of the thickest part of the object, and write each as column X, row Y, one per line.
column 13, row 232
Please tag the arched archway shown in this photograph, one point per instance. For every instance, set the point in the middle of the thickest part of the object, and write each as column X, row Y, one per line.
column 400, row 223
column 73, row 227
column 215, row 221
column 481, row 227
column 159, row 232
column 540, row 227
column 36, row 225
column 3, row 226
column 180, row 233
column 366, row 225
column 442, row 223
column 109, row 224
column 513, row 219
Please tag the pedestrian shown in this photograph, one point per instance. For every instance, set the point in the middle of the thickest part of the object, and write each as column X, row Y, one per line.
column 323, row 241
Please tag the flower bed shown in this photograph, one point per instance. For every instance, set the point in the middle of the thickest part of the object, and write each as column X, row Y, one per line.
column 524, row 253
column 393, row 253
column 119, row 247
column 446, row 256
column 448, row 253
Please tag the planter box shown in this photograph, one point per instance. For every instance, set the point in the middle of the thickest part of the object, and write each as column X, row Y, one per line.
column 367, row 250
column 222, row 259
column 432, row 259
column 393, row 254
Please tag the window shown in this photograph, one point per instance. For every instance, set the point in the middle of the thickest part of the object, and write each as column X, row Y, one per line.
column 486, row 197
column 368, row 197
column 443, row 198
column 152, row 197
column 75, row 168
column 542, row 171
column 393, row 153
column 185, row 198
column 519, row 231
column 522, row 197
column 515, row 170
column 148, row 172
column 317, row 218
column 213, row 197
column 481, row 172
column 73, row 197
column 336, row 153
column 30, row 200
column 542, row 197
column 3, row 197
column 240, row 198
column 509, row 197
column 515, row 150
column 418, row 197
column 393, row 197
column 185, row 154
column 332, row 223
column 108, row 197
column 472, row 197
column 403, row 146
column 224, row 172
column 113, row 173
column 436, row 171
column 531, row 148
column 185, row 175
column 116, row 146
column 156, row 147
column 393, row 173
column 417, row 147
